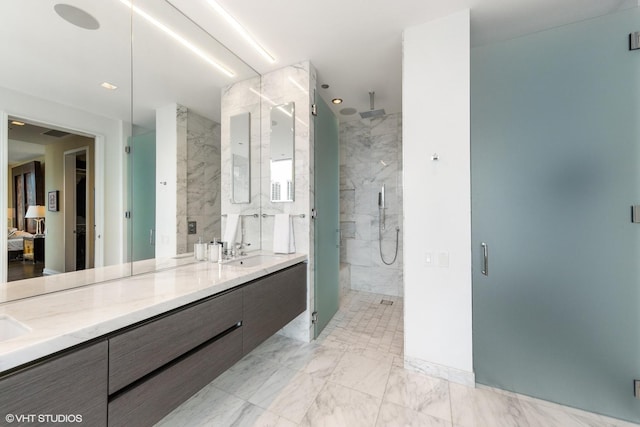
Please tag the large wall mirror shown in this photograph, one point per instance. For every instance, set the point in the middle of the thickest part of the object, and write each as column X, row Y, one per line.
column 79, row 84
column 282, row 152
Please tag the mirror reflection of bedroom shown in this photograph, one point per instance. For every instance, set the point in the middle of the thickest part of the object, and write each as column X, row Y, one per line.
column 50, row 199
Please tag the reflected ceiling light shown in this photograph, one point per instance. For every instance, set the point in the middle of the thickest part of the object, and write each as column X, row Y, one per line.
column 17, row 123
column 242, row 31
column 109, row 86
column 266, row 98
column 336, row 101
column 184, row 42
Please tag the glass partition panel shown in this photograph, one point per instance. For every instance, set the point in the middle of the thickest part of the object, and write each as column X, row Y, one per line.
column 555, row 170
column 178, row 80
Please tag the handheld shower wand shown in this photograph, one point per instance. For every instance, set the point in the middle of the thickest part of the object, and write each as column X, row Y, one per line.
column 382, row 226
column 382, row 206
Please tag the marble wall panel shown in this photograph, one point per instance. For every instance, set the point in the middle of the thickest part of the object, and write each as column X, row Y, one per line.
column 371, row 155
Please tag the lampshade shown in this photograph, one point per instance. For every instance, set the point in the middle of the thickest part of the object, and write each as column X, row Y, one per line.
column 35, row 212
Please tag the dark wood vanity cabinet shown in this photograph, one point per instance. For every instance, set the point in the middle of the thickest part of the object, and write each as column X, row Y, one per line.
column 271, row 302
column 73, row 385
column 143, row 349
column 136, row 376
column 148, row 401
column 158, row 365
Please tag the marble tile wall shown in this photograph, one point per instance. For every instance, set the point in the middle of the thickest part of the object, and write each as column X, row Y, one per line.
column 371, row 155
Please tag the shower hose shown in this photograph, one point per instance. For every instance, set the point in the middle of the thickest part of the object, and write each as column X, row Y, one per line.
column 395, row 255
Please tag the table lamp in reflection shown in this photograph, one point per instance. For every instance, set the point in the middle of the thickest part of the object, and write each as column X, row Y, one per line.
column 37, row 214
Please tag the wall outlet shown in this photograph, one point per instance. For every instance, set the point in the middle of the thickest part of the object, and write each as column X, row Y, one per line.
column 192, row 227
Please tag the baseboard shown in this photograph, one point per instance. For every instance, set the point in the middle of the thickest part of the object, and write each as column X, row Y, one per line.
column 440, row 371
column 49, row 272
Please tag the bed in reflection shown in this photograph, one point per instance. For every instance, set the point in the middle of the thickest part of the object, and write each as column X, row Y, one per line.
column 15, row 243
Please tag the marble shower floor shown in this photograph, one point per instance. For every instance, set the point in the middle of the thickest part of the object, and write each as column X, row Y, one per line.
column 353, row 375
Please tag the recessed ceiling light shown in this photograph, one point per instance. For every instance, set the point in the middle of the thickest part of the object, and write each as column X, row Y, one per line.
column 184, row 42
column 17, row 123
column 337, row 101
column 242, row 31
column 109, row 86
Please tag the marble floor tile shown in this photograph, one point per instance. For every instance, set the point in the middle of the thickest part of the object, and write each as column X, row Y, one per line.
column 362, row 373
column 419, row 392
column 392, row 415
column 210, row 406
column 288, row 393
column 339, row 406
column 245, row 377
column 473, row 407
column 278, row 348
column 319, row 361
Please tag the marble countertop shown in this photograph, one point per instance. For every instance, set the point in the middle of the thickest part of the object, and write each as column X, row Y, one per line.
column 61, row 320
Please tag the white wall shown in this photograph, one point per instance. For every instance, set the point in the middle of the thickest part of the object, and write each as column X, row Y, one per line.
column 437, row 211
column 166, row 172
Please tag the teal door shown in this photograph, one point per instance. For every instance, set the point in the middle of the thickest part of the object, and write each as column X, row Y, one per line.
column 327, row 222
column 555, row 148
column 143, row 177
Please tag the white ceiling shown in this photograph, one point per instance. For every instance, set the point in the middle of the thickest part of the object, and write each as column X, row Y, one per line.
column 355, row 45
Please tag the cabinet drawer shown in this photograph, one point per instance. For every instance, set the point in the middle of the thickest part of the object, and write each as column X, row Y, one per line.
column 151, row 400
column 74, row 384
column 142, row 350
column 272, row 302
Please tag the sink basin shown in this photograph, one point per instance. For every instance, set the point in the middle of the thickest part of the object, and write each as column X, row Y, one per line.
column 253, row 260
column 11, row 328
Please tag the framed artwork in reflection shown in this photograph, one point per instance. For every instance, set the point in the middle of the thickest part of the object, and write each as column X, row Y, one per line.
column 52, row 201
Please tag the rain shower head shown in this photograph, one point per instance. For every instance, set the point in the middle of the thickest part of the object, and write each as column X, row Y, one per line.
column 373, row 112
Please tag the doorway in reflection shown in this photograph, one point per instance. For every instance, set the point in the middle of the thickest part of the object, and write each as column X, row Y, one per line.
column 51, row 183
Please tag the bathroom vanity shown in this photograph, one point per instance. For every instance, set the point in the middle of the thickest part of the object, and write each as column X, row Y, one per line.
column 136, row 358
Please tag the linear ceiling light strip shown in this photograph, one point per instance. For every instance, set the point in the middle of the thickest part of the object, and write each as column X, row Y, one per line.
column 186, row 43
column 242, row 31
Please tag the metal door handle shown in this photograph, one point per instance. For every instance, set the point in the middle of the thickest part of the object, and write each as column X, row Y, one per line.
column 485, row 258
